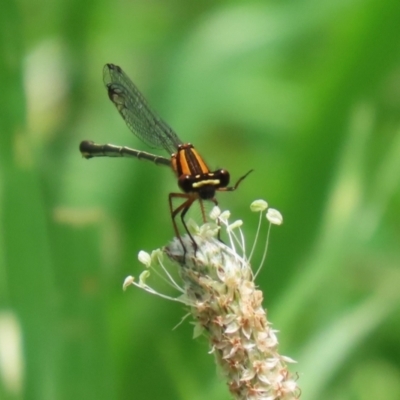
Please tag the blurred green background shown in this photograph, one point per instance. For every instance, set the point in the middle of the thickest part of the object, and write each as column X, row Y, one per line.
column 305, row 92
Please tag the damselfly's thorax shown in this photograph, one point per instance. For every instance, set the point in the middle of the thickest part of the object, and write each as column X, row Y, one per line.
column 193, row 174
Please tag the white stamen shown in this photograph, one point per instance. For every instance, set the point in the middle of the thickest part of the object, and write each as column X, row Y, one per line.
column 215, row 213
column 235, row 225
column 274, row 216
column 127, row 282
column 142, row 278
column 144, row 258
column 256, row 237
column 258, row 205
column 225, row 215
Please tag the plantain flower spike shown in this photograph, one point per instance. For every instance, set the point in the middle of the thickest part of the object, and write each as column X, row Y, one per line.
column 217, row 285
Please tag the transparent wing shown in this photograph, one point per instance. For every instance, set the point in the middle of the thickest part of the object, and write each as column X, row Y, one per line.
column 133, row 107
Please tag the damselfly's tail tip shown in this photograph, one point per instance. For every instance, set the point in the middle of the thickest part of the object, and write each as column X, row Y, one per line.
column 85, row 148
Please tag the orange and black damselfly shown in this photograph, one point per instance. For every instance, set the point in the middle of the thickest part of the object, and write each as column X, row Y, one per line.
column 194, row 177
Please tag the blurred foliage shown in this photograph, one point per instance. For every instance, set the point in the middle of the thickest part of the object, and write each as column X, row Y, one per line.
column 305, row 92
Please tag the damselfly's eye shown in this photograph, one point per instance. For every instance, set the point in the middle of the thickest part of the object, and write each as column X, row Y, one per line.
column 223, row 176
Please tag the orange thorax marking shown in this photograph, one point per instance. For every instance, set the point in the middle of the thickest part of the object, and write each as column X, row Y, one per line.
column 188, row 162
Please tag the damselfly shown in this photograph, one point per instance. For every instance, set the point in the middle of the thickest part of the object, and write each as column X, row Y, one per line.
column 195, row 179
